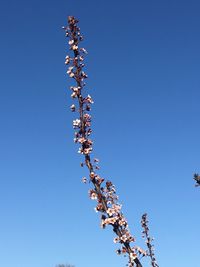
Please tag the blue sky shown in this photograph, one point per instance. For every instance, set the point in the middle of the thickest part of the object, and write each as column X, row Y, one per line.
column 143, row 66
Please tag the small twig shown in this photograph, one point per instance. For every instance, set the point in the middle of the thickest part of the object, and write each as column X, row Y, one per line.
column 150, row 246
column 197, row 179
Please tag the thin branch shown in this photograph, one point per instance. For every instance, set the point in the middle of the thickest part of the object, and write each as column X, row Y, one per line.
column 197, row 179
column 103, row 192
column 150, row 246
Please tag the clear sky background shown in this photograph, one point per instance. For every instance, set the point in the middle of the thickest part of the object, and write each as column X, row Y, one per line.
column 143, row 66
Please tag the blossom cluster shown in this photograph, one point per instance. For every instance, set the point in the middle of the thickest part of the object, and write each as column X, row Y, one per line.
column 103, row 192
column 150, row 246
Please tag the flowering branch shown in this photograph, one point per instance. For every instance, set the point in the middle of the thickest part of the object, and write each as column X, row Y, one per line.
column 197, row 179
column 145, row 232
column 103, row 192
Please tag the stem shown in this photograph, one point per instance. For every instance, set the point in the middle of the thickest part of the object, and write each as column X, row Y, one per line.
column 119, row 225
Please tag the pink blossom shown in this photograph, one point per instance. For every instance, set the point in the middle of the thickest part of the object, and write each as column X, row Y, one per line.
column 92, row 194
column 72, row 107
column 70, row 69
column 116, row 240
column 75, row 47
column 71, row 75
column 81, row 140
column 89, row 99
column 74, row 95
column 83, row 50
column 87, row 151
column 92, row 175
column 67, row 60
column 76, row 123
column 71, row 42
column 111, row 220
